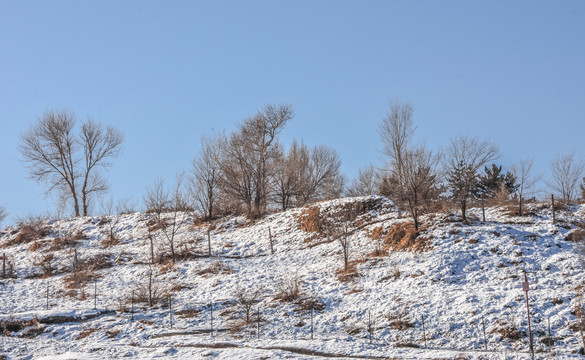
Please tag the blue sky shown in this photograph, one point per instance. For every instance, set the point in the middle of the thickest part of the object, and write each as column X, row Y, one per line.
column 167, row 72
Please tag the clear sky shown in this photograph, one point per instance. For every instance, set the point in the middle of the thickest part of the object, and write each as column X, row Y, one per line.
column 167, row 72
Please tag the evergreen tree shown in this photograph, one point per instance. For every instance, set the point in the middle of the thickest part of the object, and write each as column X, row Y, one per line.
column 493, row 180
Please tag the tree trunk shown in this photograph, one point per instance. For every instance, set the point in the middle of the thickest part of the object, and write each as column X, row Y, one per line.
column 463, row 210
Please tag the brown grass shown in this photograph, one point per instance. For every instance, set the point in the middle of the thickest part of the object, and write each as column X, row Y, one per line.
column 403, row 237
column 576, row 235
column 29, row 232
column 508, row 332
column 216, row 268
column 85, row 333
column 350, row 274
column 63, row 243
column 11, row 326
column 310, row 220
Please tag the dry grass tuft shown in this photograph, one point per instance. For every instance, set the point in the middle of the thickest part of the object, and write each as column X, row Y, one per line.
column 403, row 237
column 216, row 268
column 85, row 333
column 310, row 220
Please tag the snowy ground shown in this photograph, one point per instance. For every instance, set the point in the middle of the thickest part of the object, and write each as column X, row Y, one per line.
column 419, row 305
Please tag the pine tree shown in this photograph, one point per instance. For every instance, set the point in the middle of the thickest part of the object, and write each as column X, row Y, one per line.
column 493, row 180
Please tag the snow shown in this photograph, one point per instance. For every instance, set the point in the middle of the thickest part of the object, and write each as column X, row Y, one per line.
column 471, row 274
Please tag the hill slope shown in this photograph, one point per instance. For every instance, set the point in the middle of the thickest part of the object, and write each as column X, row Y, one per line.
column 429, row 297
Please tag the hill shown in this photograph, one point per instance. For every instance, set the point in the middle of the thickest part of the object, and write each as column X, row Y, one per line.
column 278, row 287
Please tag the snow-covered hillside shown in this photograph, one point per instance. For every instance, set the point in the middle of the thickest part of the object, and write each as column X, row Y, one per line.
column 402, row 298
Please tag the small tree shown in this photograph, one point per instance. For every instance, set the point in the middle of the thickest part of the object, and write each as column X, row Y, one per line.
column 247, row 298
column 526, row 181
column 583, row 190
column 495, row 181
column 463, row 160
column 172, row 204
column 420, row 181
column 566, row 172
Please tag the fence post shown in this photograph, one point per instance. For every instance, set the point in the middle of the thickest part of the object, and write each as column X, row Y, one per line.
column 552, row 198
column 311, row 322
column 75, row 265
column 208, row 242
column 4, row 265
column 424, row 331
column 258, row 323
column 171, row 310
column 95, row 294
column 211, row 318
column 47, row 294
column 484, row 337
column 271, row 244
column 550, row 339
column 370, row 325
column 483, row 208
column 132, row 313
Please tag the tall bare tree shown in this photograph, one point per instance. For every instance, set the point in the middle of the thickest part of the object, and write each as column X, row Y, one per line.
column 464, row 158
column 261, row 133
column 396, row 133
column 206, row 174
column 249, row 157
column 566, row 172
column 526, row 181
column 100, row 144
column 70, row 163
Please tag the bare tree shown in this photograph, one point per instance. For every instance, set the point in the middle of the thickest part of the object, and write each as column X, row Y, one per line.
column 396, row 132
column 247, row 298
column 236, row 182
column 287, row 178
column 526, row 181
column 339, row 228
column 366, row 183
column 322, row 178
column 249, row 157
column 420, row 181
column 463, row 160
column 51, row 151
column 583, row 190
column 206, row 174
column 260, row 133
column 566, row 173
column 111, row 218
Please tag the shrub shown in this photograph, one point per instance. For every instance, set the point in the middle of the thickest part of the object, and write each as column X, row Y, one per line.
column 31, row 229
column 45, row 262
column 290, row 289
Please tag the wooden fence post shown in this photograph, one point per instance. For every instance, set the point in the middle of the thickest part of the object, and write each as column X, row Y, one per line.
column 552, row 197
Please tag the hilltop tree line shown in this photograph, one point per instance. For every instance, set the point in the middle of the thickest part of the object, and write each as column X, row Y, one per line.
column 249, row 171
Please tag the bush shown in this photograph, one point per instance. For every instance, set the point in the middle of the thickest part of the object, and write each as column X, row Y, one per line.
column 290, row 289
column 31, row 229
